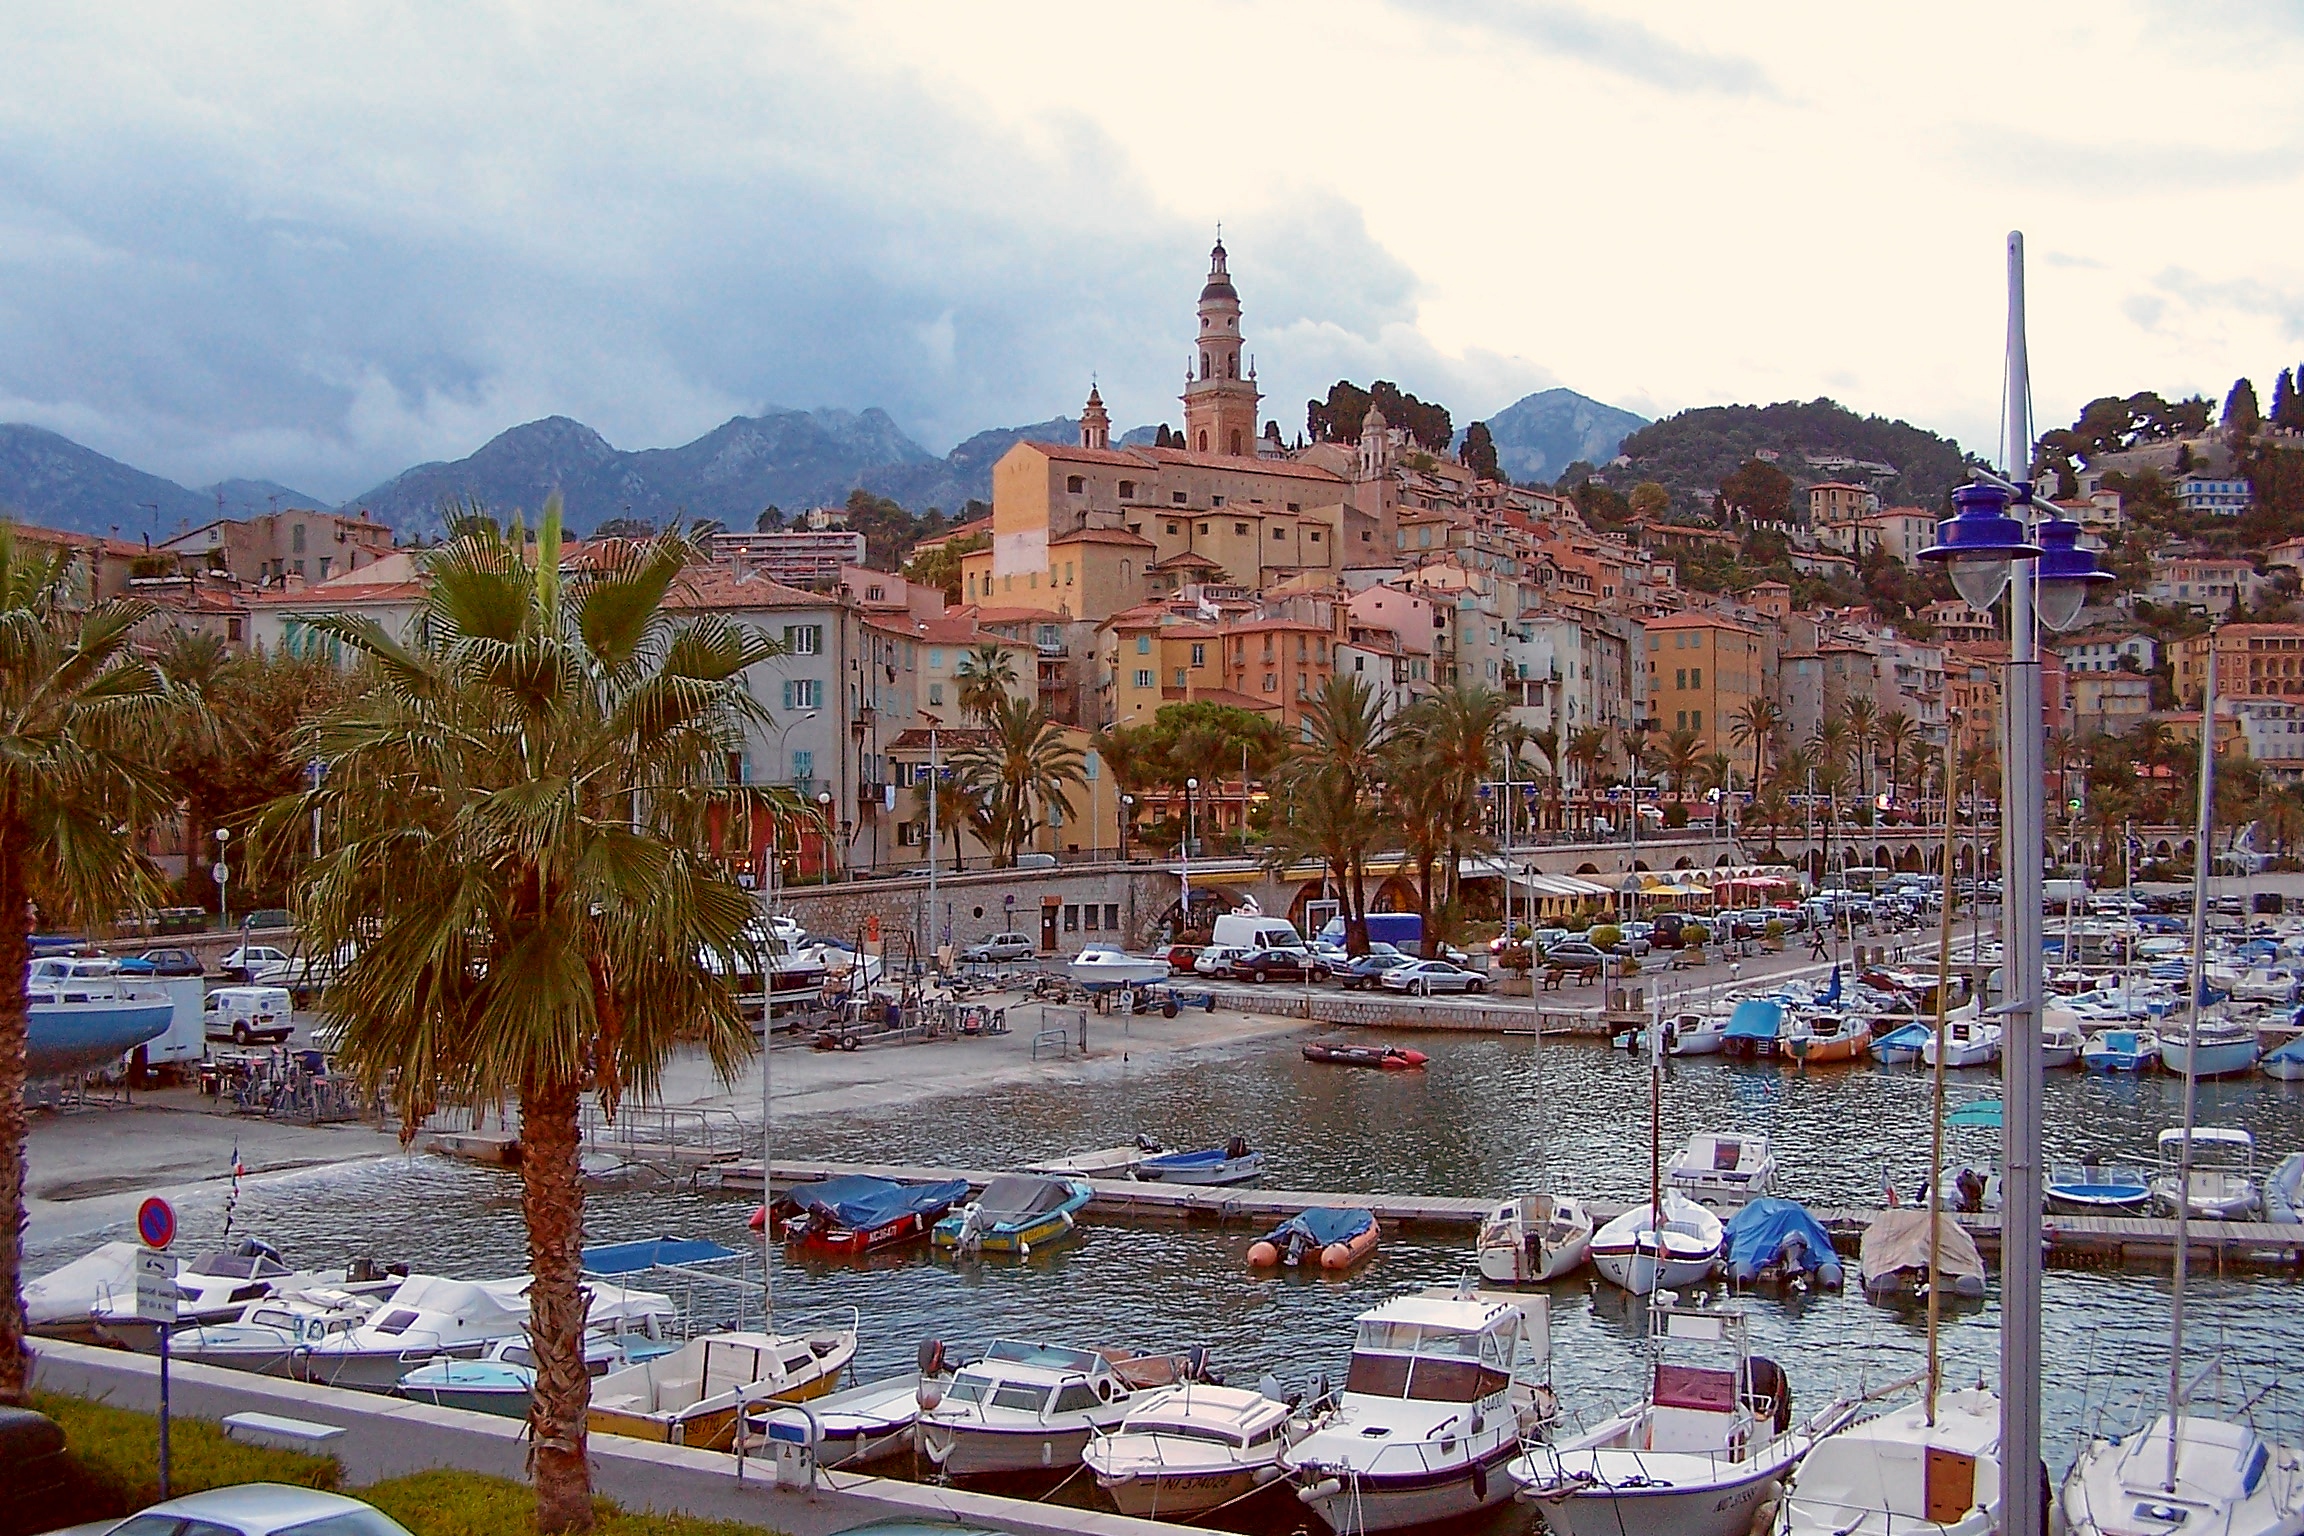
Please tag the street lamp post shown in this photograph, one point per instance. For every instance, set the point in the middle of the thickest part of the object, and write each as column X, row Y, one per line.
column 1191, row 826
column 223, row 874
column 1127, row 814
column 1987, row 550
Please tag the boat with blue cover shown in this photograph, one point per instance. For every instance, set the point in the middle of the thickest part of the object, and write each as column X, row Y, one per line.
column 1233, row 1163
column 2121, row 1050
column 2285, row 1062
column 1328, row 1237
column 857, row 1213
column 1752, row 1028
column 1900, row 1047
column 1015, row 1214
column 1773, row 1241
column 2094, row 1188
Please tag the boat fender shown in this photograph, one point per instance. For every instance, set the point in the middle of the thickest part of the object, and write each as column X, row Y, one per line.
column 1262, row 1254
column 1196, row 1363
column 1480, row 1481
column 1326, row 1488
column 1766, row 1382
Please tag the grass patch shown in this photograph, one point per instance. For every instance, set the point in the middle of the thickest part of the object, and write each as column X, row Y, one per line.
column 446, row 1503
column 116, row 1452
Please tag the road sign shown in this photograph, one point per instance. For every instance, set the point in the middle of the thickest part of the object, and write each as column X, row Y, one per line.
column 222, row 872
column 156, row 1223
column 155, row 1286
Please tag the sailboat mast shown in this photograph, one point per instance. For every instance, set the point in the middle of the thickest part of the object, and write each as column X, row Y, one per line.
column 2198, row 977
column 1656, row 1143
column 1936, row 1147
column 767, row 1163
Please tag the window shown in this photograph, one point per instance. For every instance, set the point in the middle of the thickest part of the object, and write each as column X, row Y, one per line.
column 1295, row 506
column 1203, row 530
column 1680, row 678
column 1313, row 535
column 1215, row 501
column 911, row 834
column 1203, row 442
column 1199, row 654
column 1143, row 645
column 1240, row 529
column 1279, row 532
column 1143, row 677
column 1695, row 677
column 296, row 538
column 936, row 693
column 1088, row 912
column 1071, row 915
column 1683, row 723
column 297, row 566
column 1112, row 916
column 803, row 693
column 1178, row 498
column 1127, row 490
column 1695, row 719
column 804, row 639
column 1271, row 682
column 1075, row 484
column 325, row 562
column 1172, row 525
column 935, row 658
column 803, row 764
column 1179, row 677
column 1067, row 573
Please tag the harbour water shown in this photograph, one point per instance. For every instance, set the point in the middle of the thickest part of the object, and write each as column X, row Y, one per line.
column 1488, row 1116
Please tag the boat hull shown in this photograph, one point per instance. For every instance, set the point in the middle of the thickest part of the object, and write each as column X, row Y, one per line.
column 1234, row 1170
column 1352, row 1505
column 2225, row 1058
column 971, row 1451
column 2090, row 1200
column 1636, row 1271
column 1722, row 1508
column 1014, row 1239
column 1823, row 1050
column 374, row 1370
column 1180, row 1495
column 848, row 1241
column 73, row 1037
column 504, row 1402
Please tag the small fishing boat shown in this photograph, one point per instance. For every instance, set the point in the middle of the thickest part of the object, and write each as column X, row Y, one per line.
column 2093, row 1188
column 1777, row 1242
column 855, row 1425
column 2061, row 1043
column 2222, row 1186
column 1106, row 967
column 1440, row 1394
column 1032, row 1407
column 694, row 1395
column 1902, row 1045
column 1752, row 1029
column 1186, row 1449
column 269, row 1334
column 1906, row 1472
column 1326, row 1237
column 1233, row 1163
column 1015, row 1214
column 1534, row 1238
column 1392, row 1057
column 1697, row 1455
column 857, row 1213
column 1894, row 1255
column 430, row 1316
column 1722, row 1170
column 1695, row 1034
column 1819, row 1039
column 1966, row 1043
column 2216, row 1047
column 503, row 1380
column 2121, row 1050
column 2285, row 1062
column 1625, row 1251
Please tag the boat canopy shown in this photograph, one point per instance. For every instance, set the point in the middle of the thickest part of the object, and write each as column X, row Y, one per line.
column 1760, row 1232
column 861, row 1202
column 1755, row 1018
column 1017, row 1199
column 1321, row 1226
column 1898, row 1240
column 1984, row 1113
column 652, row 1253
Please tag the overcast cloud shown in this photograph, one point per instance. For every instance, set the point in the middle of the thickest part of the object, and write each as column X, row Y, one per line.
column 318, row 243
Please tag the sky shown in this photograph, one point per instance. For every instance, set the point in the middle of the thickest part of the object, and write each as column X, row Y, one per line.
column 319, row 242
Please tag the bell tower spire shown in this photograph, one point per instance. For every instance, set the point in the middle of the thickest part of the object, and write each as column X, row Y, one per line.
column 1095, row 421
column 1220, row 394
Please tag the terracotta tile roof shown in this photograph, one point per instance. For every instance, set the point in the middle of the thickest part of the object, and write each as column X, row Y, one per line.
column 718, row 586
column 1105, row 536
column 1236, row 699
column 1699, row 621
column 1178, row 458
column 1191, row 557
column 329, row 595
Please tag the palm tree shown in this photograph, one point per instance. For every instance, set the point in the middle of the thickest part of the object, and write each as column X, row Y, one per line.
column 1335, row 815
column 1461, row 730
column 1425, row 809
column 1547, row 744
column 79, row 716
column 958, row 810
column 1755, row 726
column 1898, row 733
column 1716, row 777
column 523, row 883
column 986, row 675
column 1135, row 767
column 1683, row 752
column 1587, row 750
column 1862, row 717
column 1021, row 767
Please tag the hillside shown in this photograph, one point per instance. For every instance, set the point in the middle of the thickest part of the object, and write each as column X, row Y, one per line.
column 49, row 479
column 1691, row 453
column 1540, row 435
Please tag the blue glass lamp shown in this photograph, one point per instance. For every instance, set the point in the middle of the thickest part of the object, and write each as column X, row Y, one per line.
column 2067, row 574
column 1979, row 542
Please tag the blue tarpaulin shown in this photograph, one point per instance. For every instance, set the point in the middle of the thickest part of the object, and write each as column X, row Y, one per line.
column 860, row 1202
column 1759, row 1234
column 648, row 1253
column 1755, row 1018
column 1321, row 1226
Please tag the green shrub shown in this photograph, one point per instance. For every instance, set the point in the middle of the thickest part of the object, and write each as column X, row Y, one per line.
column 1517, row 958
column 1606, row 936
column 1773, row 929
column 1576, row 922
column 119, row 1450
column 1628, row 966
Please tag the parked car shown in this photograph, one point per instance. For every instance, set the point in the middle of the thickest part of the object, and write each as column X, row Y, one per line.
column 1216, row 959
column 1281, row 964
column 260, row 1509
column 304, row 975
column 1368, row 969
column 1428, row 976
column 1181, row 956
column 1000, row 947
column 243, row 963
column 1575, row 955
column 164, row 962
column 1630, row 944
column 248, row 1015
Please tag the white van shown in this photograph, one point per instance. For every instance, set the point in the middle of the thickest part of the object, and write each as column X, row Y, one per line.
column 248, row 1015
column 1252, row 931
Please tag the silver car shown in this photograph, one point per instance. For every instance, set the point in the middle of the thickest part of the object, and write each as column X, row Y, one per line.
column 1428, row 976
column 261, row 1509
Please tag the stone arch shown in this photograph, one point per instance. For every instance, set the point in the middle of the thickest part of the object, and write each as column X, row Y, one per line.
column 1587, row 868
column 1640, row 866
column 1306, row 893
column 1722, row 862
column 1683, row 862
column 1882, row 858
column 2187, row 849
column 1396, row 894
column 2161, row 850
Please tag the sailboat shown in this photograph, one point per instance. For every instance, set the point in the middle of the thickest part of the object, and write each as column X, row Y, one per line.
column 1929, row 1467
column 2188, row 1471
column 1534, row 1238
column 1671, row 1241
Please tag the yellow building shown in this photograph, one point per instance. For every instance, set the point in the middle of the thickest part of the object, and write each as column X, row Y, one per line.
column 1703, row 670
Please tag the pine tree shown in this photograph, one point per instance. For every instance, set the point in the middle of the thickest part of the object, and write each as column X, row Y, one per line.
column 2287, row 410
column 2240, row 412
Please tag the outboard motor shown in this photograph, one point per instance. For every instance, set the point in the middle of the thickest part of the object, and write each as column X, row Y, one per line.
column 971, row 1238
column 933, row 1368
column 1766, row 1387
column 1236, row 1148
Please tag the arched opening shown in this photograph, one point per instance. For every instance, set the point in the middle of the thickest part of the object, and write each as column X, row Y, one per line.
column 1127, row 572
column 1203, row 440
column 1587, row 868
column 1235, row 442
column 1683, row 862
column 2160, row 849
column 1882, row 858
column 1232, row 366
column 1396, row 894
column 1203, row 365
column 1640, row 866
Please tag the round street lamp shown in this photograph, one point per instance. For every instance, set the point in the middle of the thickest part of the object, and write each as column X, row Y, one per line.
column 2067, row 574
column 1979, row 542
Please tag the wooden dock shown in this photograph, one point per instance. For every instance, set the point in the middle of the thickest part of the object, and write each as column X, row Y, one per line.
column 2071, row 1240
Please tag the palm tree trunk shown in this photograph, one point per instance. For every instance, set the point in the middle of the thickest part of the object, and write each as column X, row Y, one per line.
column 15, row 1021
column 552, row 1201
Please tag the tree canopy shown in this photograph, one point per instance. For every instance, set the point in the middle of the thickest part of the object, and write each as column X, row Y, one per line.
column 1337, row 419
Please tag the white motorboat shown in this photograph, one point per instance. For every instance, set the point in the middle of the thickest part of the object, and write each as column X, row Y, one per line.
column 2223, row 1176
column 2285, row 1061
column 1186, row 1449
column 2216, row 1047
column 696, row 1395
column 93, row 1298
column 1032, row 1407
column 1723, row 1170
column 854, row 1425
column 1103, row 967
column 1697, row 1455
column 429, row 1316
column 2061, row 1042
column 1899, row 1474
column 1625, row 1251
column 2263, row 982
column 1967, row 1043
column 1694, row 1034
column 269, row 1335
column 503, row 1381
column 1534, row 1238
column 1235, row 1162
column 2228, row 1482
column 2092, row 1187
column 2120, row 1050
column 1442, row 1392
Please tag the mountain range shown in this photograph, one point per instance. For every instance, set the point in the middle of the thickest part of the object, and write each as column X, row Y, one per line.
column 791, row 459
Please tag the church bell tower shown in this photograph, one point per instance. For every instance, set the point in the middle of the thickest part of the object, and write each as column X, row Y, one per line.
column 1220, row 394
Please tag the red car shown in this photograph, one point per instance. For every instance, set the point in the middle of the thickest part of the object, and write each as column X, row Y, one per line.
column 1181, row 956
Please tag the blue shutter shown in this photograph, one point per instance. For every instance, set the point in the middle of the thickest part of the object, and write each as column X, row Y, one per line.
column 787, row 693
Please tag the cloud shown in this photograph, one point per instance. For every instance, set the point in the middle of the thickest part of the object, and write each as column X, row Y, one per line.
column 2240, row 295
column 1611, row 43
